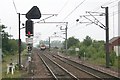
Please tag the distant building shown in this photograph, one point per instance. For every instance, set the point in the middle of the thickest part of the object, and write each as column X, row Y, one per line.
column 114, row 45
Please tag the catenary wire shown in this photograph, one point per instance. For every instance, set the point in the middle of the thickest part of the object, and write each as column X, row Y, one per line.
column 14, row 6
column 74, row 9
column 63, row 6
column 60, row 12
column 111, row 14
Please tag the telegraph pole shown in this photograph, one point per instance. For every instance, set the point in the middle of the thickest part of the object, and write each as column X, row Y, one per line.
column 49, row 43
column 107, row 37
column 19, row 40
column 105, row 27
column 66, row 36
column 19, row 46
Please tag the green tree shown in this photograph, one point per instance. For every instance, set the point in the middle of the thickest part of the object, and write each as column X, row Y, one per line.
column 8, row 45
column 82, row 49
column 23, row 46
column 72, row 42
column 112, row 58
column 90, row 52
column 98, row 44
column 94, row 49
column 5, row 39
column 87, row 41
column 13, row 46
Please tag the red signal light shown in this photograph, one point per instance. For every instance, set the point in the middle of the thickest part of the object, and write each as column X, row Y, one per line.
column 29, row 28
column 28, row 32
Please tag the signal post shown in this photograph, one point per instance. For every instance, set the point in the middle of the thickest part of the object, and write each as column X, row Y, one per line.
column 29, row 41
column 33, row 13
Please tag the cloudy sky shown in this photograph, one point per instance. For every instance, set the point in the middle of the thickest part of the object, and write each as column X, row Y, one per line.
column 67, row 10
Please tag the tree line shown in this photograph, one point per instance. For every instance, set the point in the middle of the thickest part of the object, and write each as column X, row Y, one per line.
column 89, row 48
column 9, row 46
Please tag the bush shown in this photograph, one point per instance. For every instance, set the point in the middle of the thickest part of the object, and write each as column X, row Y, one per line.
column 71, row 52
column 112, row 58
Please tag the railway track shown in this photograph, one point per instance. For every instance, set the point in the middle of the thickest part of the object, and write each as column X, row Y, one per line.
column 61, row 67
column 40, row 70
column 74, row 70
column 57, row 71
column 89, row 70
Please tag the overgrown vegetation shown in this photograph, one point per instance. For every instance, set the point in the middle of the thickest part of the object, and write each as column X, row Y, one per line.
column 9, row 46
column 17, row 73
column 9, row 51
column 91, row 50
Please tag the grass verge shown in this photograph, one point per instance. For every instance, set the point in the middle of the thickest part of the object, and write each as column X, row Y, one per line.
column 13, row 58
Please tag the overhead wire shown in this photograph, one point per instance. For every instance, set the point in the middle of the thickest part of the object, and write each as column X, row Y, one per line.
column 71, row 12
column 77, row 7
column 74, row 9
column 14, row 6
column 107, row 3
column 113, row 24
column 60, row 12
column 63, row 6
column 95, row 10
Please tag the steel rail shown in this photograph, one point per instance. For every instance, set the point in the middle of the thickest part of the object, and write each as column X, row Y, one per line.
column 78, row 68
column 48, row 67
column 114, row 77
column 73, row 76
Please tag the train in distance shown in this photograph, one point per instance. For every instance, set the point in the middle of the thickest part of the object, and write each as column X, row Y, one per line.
column 42, row 47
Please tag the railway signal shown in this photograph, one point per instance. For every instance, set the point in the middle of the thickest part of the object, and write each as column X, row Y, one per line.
column 33, row 13
column 29, row 28
column 29, row 48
